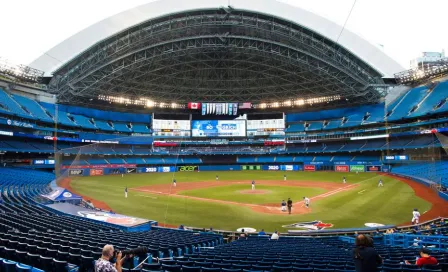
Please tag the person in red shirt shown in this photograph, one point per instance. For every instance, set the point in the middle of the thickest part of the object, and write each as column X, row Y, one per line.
column 425, row 258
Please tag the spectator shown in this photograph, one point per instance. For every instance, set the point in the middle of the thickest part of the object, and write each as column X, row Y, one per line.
column 425, row 258
column 211, row 230
column 261, row 233
column 243, row 234
column 275, row 236
column 181, row 227
column 103, row 264
column 417, row 242
column 365, row 256
column 378, row 232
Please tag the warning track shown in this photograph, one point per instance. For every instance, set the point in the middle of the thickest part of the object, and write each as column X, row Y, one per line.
column 298, row 208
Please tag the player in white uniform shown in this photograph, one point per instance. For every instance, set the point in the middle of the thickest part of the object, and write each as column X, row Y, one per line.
column 415, row 216
column 380, row 183
column 253, row 184
column 344, row 180
column 306, row 200
column 284, row 177
column 174, row 183
column 126, row 192
column 217, row 178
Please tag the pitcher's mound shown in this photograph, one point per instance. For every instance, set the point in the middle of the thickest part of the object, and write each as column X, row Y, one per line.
column 256, row 192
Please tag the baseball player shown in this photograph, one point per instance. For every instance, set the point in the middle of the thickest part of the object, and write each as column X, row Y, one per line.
column 289, row 205
column 306, row 200
column 253, row 184
column 283, row 206
column 284, row 177
column 344, row 180
column 415, row 216
column 380, row 183
column 126, row 192
column 174, row 182
column 217, row 178
column 122, row 175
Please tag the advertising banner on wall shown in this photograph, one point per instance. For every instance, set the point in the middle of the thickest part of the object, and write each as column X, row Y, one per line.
column 356, row 168
column 290, row 168
column 341, row 168
column 189, row 168
column 147, row 170
column 166, row 169
column 102, row 166
column 96, row 172
column 76, row 172
column 251, row 167
column 271, row 167
column 373, row 168
column 308, row 167
column 131, row 170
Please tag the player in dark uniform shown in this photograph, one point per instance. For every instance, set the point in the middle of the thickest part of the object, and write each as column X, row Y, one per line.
column 289, row 205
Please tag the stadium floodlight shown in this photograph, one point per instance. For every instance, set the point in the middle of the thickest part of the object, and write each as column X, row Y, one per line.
column 288, row 103
column 161, row 105
column 174, row 105
column 149, row 103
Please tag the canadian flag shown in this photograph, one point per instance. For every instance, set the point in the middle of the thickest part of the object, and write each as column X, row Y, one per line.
column 194, row 105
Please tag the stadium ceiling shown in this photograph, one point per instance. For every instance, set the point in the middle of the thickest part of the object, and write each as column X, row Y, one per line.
column 209, row 51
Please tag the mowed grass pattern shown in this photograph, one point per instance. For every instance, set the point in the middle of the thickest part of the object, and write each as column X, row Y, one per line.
column 391, row 204
column 274, row 194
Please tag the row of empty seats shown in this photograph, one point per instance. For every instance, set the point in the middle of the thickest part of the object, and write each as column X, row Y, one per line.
column 419, row 101
column 27, row 108
column 436, row 171
column 293, row 159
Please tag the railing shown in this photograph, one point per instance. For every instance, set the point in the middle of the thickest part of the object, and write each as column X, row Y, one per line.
column 432, row 242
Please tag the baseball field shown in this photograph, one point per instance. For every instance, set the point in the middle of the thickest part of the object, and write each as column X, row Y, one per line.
column 230, row 203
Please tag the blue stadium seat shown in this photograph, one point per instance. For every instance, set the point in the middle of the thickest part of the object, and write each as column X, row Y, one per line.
column 33, row 107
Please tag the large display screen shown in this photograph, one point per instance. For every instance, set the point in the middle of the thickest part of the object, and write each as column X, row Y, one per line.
column 218, row 128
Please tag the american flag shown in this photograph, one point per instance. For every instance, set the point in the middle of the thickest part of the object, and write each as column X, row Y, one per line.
column 245, row 105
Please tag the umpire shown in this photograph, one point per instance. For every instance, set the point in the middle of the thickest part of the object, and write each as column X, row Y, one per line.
column 289, row 205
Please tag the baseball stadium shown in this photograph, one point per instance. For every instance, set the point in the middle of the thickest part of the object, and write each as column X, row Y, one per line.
column 223, row 136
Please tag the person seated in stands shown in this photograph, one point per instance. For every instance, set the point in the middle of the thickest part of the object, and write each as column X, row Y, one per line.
column 181, row 227
column 243, row 234
column 275, row 236
column 425, row 258
column 378, row 232
column 103, row 264
column 211, row 230
column 365, row 257
column 262, row 233
column 417, row 242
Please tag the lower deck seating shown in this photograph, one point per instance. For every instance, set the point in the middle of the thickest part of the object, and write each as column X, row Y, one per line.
column 434, row 171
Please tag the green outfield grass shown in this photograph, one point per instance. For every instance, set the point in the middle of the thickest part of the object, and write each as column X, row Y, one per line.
column 391, row 204
column 274, row 194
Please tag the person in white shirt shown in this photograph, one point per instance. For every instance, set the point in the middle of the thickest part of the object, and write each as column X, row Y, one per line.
column 274, row 236
column 284, row 177
column 306, row 200
column 415, row 216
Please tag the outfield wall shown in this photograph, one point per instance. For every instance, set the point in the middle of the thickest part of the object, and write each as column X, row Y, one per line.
column 100, row 170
